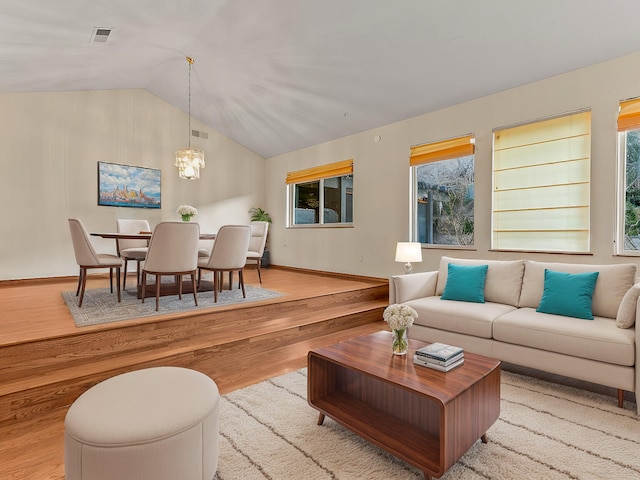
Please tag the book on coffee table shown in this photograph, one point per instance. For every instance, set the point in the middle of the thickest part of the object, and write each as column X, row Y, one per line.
column 439, row 351
column 422, row 361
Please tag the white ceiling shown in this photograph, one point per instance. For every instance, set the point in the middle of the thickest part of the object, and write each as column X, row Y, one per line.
column 280, row 75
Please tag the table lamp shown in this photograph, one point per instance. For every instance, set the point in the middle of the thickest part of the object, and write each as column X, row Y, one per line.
column 408, row 252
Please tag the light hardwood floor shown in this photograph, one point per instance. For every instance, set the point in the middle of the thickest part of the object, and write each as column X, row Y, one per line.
column 33, row 448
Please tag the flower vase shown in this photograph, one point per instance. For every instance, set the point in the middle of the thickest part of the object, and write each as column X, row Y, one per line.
column 400, row 343
column 186, row 218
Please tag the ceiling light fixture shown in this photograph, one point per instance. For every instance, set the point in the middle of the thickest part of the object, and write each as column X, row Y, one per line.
column 189, row 160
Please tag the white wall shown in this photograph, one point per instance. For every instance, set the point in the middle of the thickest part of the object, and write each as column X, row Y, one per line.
column 381, row 174
column 50, row 144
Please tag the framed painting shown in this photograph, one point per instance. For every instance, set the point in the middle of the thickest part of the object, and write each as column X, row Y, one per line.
column 128, row 186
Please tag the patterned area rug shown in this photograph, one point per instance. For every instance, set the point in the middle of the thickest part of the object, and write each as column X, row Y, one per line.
column 101, row 306
column 269, row 431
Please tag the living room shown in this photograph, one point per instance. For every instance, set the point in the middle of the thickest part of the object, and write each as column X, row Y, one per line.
column 55, row 139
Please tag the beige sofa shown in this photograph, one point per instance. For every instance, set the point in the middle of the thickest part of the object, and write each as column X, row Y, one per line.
column 507, row 326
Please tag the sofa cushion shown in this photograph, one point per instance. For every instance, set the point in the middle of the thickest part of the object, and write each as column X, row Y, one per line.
column 626, row 316
column 503, row 282
column 568, row 294
column 462, row 317
column 599, row 340
column 613, row 283
column 465, row 283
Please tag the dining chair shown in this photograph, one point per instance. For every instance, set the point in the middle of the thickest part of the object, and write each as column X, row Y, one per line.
column 173, row 250
column 87, row 258
column 129, row 249
column 257, row 244
column 229, row 254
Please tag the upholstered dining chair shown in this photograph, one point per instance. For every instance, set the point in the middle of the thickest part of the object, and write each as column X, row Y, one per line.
column 87, row 258
column 173, row 250
column 229, row 254
column 129, row 249
column 257, row 244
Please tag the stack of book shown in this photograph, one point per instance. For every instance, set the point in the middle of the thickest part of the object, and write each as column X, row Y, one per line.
column 439, row 356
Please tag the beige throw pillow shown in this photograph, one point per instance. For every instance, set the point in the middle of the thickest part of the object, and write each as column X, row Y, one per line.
column 626, row 317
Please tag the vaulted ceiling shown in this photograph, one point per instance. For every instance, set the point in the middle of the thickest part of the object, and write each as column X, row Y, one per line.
column 280, row 75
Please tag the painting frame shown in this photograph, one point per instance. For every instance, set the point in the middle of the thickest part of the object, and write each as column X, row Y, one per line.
column 129, row 186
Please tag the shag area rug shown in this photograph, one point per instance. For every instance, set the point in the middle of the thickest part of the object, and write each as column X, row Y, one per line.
column 545, row 431
column 101, row 306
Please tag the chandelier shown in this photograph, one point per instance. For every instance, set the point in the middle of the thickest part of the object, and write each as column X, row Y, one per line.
column 189, row 160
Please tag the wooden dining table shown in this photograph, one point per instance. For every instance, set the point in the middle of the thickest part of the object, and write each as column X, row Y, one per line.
column 165, row 288
column 142, row 235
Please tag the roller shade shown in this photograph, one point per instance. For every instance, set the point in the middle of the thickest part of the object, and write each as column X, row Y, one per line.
column 629, row 116
column 443, row 150
column 337, row 169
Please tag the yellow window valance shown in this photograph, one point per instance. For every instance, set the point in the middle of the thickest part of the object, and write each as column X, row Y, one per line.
column 629, row 115
column 443, row 150
column 337, row 169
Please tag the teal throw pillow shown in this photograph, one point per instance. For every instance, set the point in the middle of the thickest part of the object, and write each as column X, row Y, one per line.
column 568, row 294
column 465, row 283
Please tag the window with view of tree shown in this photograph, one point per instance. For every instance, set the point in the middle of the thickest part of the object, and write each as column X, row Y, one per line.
column 321, row 195
column 541, row 185
column 629, row 181
column 443, row 191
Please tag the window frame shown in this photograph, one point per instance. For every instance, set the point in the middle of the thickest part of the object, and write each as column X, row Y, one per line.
column 628, row 120
column 320, row 174
column 433, row 152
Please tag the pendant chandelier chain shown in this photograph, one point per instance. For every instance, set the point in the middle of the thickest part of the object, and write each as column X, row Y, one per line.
column 190, row 62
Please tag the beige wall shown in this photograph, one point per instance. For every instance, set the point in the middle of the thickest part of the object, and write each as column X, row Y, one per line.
column 50, row 144
column 381, row 174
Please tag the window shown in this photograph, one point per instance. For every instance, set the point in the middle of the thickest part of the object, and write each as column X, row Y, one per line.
column 541, row 185
column 629, row 178
column 442, row 189
column 321, row 195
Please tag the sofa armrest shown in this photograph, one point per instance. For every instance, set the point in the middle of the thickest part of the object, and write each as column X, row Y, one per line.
column 403, row 288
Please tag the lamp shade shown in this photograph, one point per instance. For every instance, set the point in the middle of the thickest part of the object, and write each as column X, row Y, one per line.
column 408, row 252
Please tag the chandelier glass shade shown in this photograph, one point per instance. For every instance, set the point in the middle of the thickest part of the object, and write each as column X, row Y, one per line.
column 189, row 160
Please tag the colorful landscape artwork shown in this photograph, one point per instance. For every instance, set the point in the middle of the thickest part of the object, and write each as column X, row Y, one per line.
column 128, row 186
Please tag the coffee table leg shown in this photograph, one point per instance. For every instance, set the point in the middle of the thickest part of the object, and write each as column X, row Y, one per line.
column 484, row 438
column 320, row 418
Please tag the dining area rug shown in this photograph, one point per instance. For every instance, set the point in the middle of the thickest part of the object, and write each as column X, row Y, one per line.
column 101, row 306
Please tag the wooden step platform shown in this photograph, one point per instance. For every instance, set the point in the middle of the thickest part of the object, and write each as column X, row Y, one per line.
column 48, row 372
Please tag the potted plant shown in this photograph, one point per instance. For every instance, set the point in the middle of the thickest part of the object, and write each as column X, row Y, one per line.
column 259, row 215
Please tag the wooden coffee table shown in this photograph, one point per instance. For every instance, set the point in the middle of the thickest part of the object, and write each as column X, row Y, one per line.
column 423, row 416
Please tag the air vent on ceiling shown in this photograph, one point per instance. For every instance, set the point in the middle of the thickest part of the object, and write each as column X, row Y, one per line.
column 100, row 35
column 199, row 134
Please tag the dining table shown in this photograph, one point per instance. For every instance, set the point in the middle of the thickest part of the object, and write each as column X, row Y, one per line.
column 165, row 288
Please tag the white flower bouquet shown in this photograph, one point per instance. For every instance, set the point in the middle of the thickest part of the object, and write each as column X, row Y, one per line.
column 186, row 210
column 399, row 317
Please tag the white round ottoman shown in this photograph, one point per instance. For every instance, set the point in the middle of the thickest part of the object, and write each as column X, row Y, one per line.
column 152, row 424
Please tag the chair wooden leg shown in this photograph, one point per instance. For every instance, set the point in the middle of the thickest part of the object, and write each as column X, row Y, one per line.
column 158, row 282
column 138, row 272
column 244, row 295
column 230, row 280
column 215, row 286
column 79, row 281
column 144, row 285
column 118, row 283
column 259, row 276
column 620, row 398
column 193, row 285
column 84, row 283
column 111, row 279
column 179, row 280
column 124, row 279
